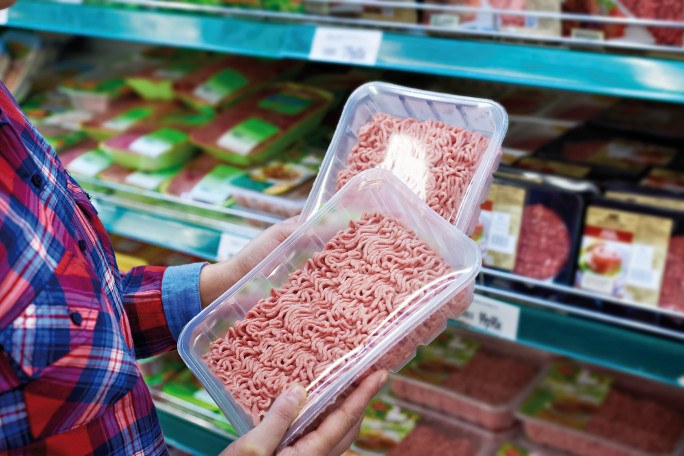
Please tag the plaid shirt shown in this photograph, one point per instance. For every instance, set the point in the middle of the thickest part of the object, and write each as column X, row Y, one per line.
column 71, row 326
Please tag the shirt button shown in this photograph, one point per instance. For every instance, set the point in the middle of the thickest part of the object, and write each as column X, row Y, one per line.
column 76, row 318
column 82, row 245
column 37, row 180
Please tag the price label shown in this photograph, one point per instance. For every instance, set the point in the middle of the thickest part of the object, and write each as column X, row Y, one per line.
column 4, row 16
column 333, row 44
column 493, row 316
column 229, row 245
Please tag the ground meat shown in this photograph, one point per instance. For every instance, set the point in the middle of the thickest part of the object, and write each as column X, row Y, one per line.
column 437, row 160
column 672, row 293
column 543, row 245
column 667, row 10
column 359, row 282
column 426, row 440
column 489, row 378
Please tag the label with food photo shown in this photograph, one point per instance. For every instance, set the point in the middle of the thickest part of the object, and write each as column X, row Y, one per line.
column 280, row 176
column 384, row 426
column 434, row 363
column 623, row 254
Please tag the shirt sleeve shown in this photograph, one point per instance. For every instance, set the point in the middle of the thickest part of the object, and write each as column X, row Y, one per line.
column 159, row 301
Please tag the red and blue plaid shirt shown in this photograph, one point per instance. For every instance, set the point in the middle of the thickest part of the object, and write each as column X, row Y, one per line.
column 71, row 326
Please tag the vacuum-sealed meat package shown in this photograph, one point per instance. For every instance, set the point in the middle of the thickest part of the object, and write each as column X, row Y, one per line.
column 444, row 147
column 357, row 287
column 124, row 116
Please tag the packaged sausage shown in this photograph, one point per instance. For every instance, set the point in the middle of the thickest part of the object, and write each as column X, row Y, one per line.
column 263, row 124
column 204, row 179
column 592, row 412
column 470, row 377
column 530, row 228
column 226, row 80
column 124, row 116
column 150, row 148
column 325, row 307
column 654, row 119
column 623, row 251
column 662, row 178
column 611, row 155
column 85, row 159
column 444, row 147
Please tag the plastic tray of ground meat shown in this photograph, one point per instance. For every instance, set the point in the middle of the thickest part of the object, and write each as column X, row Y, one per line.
column 444, row 147
column 636, row 418
column 472, row 377
column 372, row 275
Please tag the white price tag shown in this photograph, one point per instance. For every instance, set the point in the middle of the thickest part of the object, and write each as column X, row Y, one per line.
column 334, row 44
column 4, row 16
column 493, row 316
column 150, row 146
column 229, row 245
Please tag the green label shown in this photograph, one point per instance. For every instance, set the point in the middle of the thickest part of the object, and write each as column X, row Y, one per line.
column 384, row 426
column 285, row 103
column 158, row 143
column 568, row 395
column 447, row 354
column 90, row 163
column 127, row 119
column 190, row 119
column 243, row 138
column 509, row 449
column 215, row 187
column 220, row 85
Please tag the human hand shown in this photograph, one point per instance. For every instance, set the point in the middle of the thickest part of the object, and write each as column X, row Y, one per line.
column 332, row 437
column 217, row 278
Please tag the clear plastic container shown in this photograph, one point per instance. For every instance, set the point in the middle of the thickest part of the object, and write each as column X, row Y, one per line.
column 416, row 320
column 431, row 390
column 581, row 441
column 479, row 116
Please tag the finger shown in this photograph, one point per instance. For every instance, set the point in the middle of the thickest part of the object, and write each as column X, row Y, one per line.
column 347, row 440
column 265, row 438
column 340, row 421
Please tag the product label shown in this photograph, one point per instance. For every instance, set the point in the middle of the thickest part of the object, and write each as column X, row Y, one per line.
column 553, row 167
column 384, row 426
column 501, row 219
column 150, row 180
column 434, row 363
column 219, row 86
column 511, row 449
column 569, row 395
column 215, row 187
column 158, row 143
column 278, row 177
column 620, row 153
column 665, row 179
column 623, row 254
column 244, row 137
column 587, row 34
column 445, row 20
column 128, row 119
column 342, row 45
column 655, row 201
column 90, row 163
column 493, row 316
column 286, row 103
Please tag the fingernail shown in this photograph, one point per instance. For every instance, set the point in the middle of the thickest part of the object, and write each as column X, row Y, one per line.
column 296, row 394
column 383, row 379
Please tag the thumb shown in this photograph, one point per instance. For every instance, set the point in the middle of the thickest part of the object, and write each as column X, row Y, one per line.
column 265, row 438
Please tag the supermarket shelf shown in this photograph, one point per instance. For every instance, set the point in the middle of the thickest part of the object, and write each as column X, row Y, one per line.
column 194, row 434
column 602, row 73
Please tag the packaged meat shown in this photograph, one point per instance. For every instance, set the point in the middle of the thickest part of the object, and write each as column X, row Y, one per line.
column 528, row 25
column 531, row 229
column 590, row 412
column 150, row 148
column 554, row 167
column 181, row 117
column 658, row 198
column 385, row 425
column 624, row 250
column 85, row 159
column 26, row 56
column 359, row 222
column 204, row 179
column 470, row 377
column 122, row 117
column 147, row 180
column 280, row 186
column 157, row 82
column 663, row 178
column 611, row 155
column 60, row 138
column 402, row 129
column 225, row 81
column 263, row 124
column 97, row 91
column 376, row 11
column 530, row 136
column 654, row 119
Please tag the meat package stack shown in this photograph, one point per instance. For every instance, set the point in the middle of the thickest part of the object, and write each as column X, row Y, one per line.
column 376, row 267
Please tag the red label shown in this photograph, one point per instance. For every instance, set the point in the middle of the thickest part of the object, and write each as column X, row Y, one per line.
column 487, row 206
column 608, row 234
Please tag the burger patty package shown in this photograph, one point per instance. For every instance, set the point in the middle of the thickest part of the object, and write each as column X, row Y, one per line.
column 263, row 124
column 653, row 119
column 471, row 377
column 531, row 227
column 591, row 412
column 632, row 252
column 228, row 79
column 357, row 287
column 444, row 147
column 124, row 116
column 610, row 155
column 396, row 428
